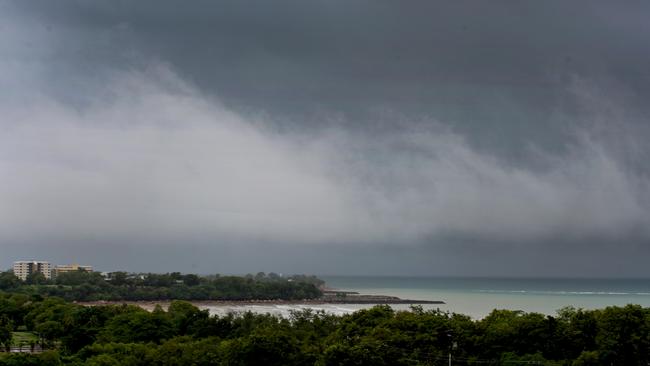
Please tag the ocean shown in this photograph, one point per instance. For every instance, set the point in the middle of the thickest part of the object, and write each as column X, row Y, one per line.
column 477, row 297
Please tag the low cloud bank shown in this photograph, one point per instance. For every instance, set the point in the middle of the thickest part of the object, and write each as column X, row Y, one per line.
column 151, row 157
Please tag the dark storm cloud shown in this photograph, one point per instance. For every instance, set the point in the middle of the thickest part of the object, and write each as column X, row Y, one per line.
column 283, row 55
column 495, row 70
column 301, row 128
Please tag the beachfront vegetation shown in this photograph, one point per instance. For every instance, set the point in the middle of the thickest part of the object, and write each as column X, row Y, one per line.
column 122, row 286
column 184, row 335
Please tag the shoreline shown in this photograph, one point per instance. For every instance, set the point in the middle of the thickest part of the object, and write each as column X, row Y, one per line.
column 329, row 297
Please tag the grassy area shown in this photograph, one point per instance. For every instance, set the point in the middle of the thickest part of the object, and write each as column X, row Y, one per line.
column 24, row 338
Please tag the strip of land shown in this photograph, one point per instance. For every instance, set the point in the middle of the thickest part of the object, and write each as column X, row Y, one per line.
column 329, row 297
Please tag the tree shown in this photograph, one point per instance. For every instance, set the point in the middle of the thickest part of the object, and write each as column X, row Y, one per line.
column 182, row 315
column 587, row 358
column 49, row 330
column 6, row 332
column 624, row 335
column 36, row 278
column 191, row 280
column 80, row 277
column 268, row 346
column 119, row 278
column 8, row 280
column 139, row 326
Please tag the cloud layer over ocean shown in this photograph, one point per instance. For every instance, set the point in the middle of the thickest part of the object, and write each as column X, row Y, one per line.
column 136, row 153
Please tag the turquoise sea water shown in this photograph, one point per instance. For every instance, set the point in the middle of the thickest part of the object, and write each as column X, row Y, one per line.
column 478, row 296
column 475, row 296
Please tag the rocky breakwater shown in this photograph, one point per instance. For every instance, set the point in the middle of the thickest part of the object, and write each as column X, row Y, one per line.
column 351, row 297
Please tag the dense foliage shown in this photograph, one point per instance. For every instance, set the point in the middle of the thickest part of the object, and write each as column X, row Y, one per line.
column 120, row 286
column 185, row 335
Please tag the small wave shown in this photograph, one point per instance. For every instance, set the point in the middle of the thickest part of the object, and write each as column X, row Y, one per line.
column 504, row 291
column 278, row 309
column 342, row 309
column 549, row 292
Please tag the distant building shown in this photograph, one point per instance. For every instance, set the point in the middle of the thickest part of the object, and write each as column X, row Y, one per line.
column 63, row 268
column 22, row 269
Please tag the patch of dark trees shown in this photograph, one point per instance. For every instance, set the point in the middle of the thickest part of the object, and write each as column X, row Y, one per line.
column 72, row 334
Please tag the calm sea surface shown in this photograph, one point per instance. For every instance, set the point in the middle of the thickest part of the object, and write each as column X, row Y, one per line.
column 478, row 296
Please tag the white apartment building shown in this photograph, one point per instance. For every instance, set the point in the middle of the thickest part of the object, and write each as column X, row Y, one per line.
column 22, row 269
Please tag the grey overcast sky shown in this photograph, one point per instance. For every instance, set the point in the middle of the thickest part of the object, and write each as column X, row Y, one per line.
column 471, row 138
